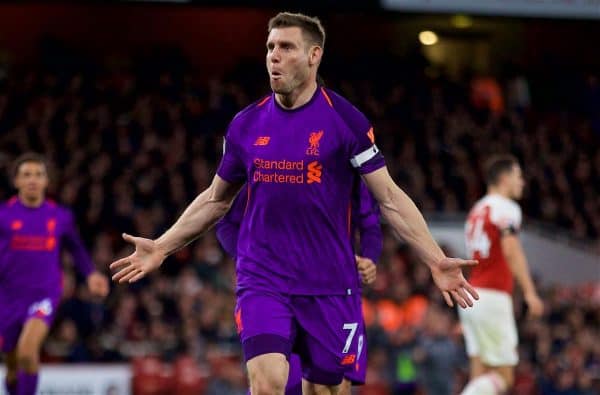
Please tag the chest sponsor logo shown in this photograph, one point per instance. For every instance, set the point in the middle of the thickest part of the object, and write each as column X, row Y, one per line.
column 287, row 172
column 32, row 243
column 315, row 169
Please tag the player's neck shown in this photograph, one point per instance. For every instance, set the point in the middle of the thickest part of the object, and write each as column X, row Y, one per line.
column 498, row 191
column 32, row 202
column 299, row 97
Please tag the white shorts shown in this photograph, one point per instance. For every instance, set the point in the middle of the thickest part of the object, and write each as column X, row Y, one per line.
column 490, row 330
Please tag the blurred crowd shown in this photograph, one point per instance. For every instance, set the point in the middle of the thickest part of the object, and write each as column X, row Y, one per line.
column 133, row 141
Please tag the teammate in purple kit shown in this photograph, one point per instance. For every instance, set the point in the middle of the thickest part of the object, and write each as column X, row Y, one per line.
column 32, row 231
column 300, row 151
column 365, row 219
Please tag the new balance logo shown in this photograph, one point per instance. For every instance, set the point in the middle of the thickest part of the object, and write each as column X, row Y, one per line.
column 314, row 172
column 349, row 359
column 262, row 140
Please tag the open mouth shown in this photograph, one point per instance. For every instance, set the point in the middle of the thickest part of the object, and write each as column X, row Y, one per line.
column 275, row 75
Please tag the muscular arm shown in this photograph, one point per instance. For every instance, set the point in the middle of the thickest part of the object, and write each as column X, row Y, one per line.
column 208, row 207
column 409, row 225
column 197, row 218
column 403, row 216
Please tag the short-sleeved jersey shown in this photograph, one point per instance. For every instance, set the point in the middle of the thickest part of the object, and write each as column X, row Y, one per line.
column 365, row 222
column 490, row 219
column 31, row 240
column 301, row 167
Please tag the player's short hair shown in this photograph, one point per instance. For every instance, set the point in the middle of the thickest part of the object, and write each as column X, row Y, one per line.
column 311, row 27
column 498, row 165
column 28, row 157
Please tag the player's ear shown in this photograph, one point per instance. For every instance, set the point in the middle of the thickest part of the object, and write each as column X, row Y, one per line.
column 315, row 54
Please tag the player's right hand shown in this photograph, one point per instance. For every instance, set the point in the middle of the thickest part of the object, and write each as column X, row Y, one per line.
column 534, row 304
column 146, row 258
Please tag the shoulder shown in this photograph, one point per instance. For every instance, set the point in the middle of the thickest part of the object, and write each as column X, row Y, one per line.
column 351, row 115
column 246, row 116
column 60, row 210
column 503, row 210
column 6, row 205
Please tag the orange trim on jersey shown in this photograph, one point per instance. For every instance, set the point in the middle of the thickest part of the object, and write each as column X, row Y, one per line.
column 371, row 135
column 238, row 321
column 326, row 97
column 51, row 202
column 247, row 200
column 263, row 101
column 349, row 218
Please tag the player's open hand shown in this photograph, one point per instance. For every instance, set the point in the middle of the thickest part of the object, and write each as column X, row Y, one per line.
column 448, row 277
column 146, row 258
column 367, row 270
column 98, row 284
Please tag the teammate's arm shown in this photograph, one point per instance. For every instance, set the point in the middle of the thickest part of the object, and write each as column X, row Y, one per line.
column 370, row 235
column 227, row 233
column 369, row 226
column 96, row 281
column 515, row 256
column 228, row 229
column 198, row 217
column 409, row 225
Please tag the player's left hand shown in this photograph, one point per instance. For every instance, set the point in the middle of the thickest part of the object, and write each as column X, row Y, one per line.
column 367, row 269
column 447, row 275
column 98, row 284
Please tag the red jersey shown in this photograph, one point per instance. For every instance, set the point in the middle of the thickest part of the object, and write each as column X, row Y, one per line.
column 491, row 218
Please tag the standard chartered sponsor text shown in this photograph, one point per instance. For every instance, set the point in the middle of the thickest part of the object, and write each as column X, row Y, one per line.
column 279, row 171
column 283, row 164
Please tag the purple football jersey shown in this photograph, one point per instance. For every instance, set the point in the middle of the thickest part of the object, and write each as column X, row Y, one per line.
column 301, row 167
column 30, row 244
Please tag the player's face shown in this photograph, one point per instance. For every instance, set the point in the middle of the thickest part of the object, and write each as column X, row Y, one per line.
column 289, row 59
column 31, row 180
column 516, row 182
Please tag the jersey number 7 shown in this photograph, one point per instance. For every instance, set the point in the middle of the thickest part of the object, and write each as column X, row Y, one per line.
column 351, row 326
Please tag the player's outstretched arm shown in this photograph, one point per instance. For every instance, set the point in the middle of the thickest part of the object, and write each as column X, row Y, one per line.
column 513, row 251
column 409, row 225
column 198, row 217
